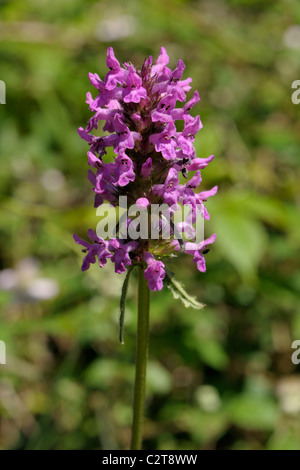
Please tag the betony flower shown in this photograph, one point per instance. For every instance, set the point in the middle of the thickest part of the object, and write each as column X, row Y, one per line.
column 134, row 91
column 165, row 141
column 142, row 203
column 169, row 190
column 197, row 251
column 154, row 273
column 121, row 252
column 124, row 170
column 146, row 168
column 97, row 249
column 136, row 112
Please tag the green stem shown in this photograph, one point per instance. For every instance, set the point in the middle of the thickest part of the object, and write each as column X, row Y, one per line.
column 142, row 343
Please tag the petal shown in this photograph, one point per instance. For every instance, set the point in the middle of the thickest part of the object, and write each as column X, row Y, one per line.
column 111, row 61
column 142, row 203
column 199, row 163
column 205, row 194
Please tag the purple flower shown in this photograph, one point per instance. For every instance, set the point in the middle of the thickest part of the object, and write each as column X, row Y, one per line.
column 134, row 91
column 160, row 69
column 199, row 163
column 186, row 138
column 187, row 191
column 134, row 112
column 181, row 113
column 124, row 138
column 97, row 249
column 165, row 142
column 124, row 170
column 102, row 182
column 142, row 203
column 169, row 191
column 164, row 110
column 196, row 251
column 96, row 81
column 116, row 74
column 154, row 273
column 121, row 256
column 146, row 168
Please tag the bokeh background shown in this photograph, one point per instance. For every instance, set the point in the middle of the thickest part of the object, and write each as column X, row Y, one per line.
column 219, row 378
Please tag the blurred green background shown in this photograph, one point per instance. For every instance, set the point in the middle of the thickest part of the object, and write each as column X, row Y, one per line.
column 220, row 378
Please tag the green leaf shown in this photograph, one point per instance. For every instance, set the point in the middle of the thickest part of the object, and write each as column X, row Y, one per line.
column 252, row 412
column 179, row 292
column 123, row 303
column 212, row 353
column 242, row 239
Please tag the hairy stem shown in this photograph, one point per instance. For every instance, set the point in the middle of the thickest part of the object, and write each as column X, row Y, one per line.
column 142, row 343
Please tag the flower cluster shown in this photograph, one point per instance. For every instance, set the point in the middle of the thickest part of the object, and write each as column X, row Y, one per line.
column 138, row 108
